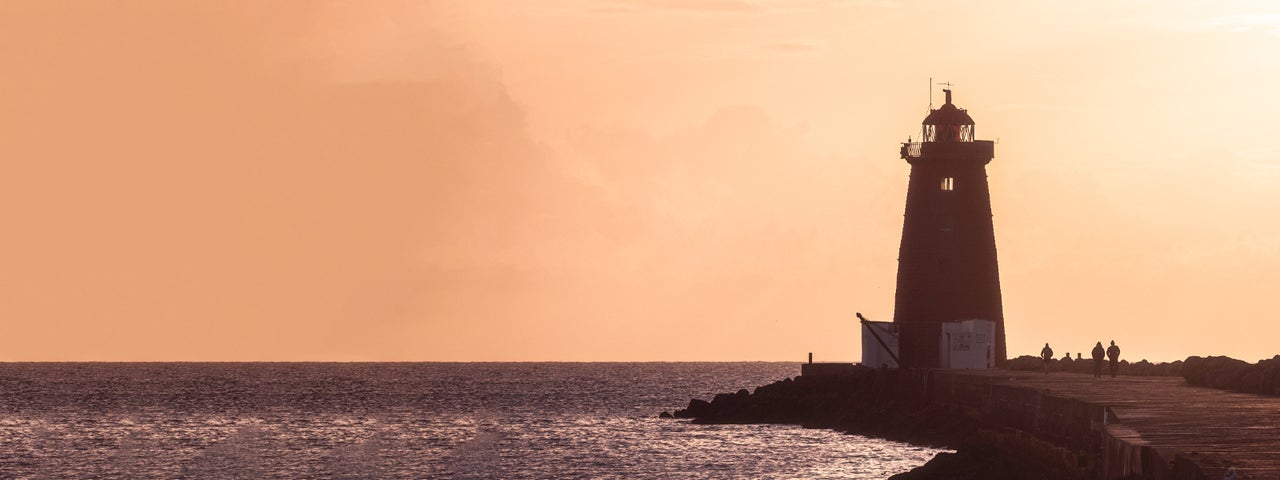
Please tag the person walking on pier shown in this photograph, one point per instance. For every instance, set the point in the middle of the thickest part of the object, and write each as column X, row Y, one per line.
column 1113, row 353
column 1098, row 353
column 1047, row 354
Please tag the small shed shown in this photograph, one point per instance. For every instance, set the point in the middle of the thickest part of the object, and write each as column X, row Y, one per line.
column 967, row 344
column 873, row 351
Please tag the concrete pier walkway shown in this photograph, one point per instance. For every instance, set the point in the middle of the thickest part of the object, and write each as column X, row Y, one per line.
column 1149, row 420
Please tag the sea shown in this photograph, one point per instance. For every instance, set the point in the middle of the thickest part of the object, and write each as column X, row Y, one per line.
column 408, row 421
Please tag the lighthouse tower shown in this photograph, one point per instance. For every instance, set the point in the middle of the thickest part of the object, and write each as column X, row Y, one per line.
column 947, row 272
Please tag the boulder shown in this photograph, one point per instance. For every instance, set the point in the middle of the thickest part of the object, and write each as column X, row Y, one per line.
column 697, row 408
column 1213, row 372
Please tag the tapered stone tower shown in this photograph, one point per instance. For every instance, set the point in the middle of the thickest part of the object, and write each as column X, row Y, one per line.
column 947, row 268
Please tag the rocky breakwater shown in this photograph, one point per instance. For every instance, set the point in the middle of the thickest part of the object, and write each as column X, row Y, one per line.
column 1230, row 374
column 1224, row 373
column 1141, row 368
column 889, row 404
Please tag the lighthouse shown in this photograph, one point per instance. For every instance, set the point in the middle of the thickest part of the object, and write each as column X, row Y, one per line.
column 947, row 307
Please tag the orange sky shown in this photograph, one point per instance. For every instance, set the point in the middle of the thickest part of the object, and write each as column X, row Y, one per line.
column 618, row 179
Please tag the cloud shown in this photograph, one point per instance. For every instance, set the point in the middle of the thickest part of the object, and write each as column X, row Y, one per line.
column 1048, row 107
column 695, row 6
column 199, row 182
column 729, row 6
column 267, row 185
column 795, row 47
column 739, row 220
column 1248, row 22
column 1245, row 22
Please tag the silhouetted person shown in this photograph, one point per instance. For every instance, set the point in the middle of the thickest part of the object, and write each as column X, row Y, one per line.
column 1066, row 357
column 1047, row 354
column 1098, row 353
column 1113, row 353
column 1078, row 356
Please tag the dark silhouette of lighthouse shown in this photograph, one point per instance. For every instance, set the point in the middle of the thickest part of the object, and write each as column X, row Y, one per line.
column 947, row 268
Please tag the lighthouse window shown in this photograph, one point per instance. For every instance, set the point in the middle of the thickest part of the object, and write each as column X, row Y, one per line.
column 948, row 184
column 947, row 222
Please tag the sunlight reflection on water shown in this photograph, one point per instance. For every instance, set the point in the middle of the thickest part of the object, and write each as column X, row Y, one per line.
column 406, row 421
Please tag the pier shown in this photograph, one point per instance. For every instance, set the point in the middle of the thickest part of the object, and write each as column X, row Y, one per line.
column 1061, row 426
column 1145, row 427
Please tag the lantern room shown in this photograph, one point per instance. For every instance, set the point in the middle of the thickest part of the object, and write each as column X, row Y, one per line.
column 947, row 124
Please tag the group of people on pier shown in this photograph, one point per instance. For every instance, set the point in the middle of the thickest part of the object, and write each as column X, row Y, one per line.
column 1112, row 353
